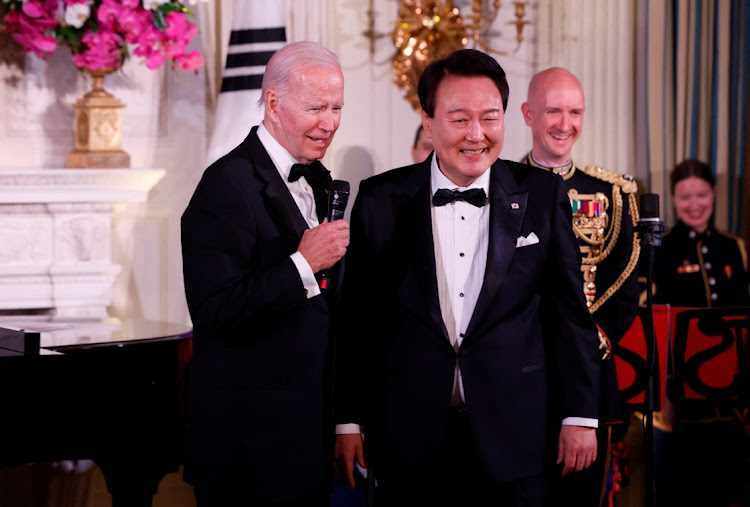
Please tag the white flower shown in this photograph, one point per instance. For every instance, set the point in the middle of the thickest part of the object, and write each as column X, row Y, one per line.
column 77, row 14
column 150, row 5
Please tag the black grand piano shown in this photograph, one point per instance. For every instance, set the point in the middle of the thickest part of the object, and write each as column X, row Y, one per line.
column 109, row 391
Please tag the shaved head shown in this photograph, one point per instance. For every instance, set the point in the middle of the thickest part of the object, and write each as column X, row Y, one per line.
column 554, row 110
column 552, row 77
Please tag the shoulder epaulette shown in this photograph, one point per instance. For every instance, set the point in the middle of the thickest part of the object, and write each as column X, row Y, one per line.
column 728, row 235
column 740, row 245
column 625, row 182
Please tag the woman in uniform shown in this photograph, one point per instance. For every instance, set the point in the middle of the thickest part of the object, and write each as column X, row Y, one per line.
column 704, row 460
column 699, row 265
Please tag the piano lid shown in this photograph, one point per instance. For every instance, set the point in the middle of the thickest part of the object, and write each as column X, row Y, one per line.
column 15, row 341
column 64, row 334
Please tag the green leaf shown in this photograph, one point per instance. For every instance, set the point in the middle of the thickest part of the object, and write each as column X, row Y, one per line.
column 169, row 7
column 159, row 21
column 124, row 53
column 68, row 35
column 74, row 39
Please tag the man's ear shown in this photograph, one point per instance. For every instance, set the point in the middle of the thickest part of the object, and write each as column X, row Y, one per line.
column 271, row 101
column 526, row 112
column 427, row 125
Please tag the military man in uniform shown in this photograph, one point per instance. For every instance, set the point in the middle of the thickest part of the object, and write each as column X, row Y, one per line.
column 604, row 217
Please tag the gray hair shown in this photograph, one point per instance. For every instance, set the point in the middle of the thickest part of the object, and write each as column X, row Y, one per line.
column 293, row 59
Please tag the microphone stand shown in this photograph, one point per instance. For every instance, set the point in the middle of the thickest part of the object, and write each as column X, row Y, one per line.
column 650, row 230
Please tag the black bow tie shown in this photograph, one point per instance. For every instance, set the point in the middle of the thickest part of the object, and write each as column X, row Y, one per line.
column 319, row 178
column 475, row 196
column 314, row 173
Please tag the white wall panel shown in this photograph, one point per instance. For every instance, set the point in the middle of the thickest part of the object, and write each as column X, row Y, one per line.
column 596, row 41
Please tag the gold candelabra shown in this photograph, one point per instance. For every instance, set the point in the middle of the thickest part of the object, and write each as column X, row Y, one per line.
column 428, row 30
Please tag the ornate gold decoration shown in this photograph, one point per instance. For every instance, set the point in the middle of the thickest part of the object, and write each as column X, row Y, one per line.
column 480, row 23
column 627, row 184
column 590, row 230
column 620, row 184
column 98, row 124
column 428, row 30
column 585, row 229
column 425, row 31
column 632, row 263
column 604, row 347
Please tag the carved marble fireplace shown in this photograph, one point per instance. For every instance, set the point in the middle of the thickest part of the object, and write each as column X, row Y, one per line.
column 56, row 239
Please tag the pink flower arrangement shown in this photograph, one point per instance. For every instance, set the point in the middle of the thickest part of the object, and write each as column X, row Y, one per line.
column 99, row 32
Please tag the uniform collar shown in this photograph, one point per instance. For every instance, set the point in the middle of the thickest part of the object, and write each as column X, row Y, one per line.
column 565, row 170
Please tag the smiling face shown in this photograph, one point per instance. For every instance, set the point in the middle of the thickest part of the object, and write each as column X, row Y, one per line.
column 694, row 202
column 304, row 119
column 554, row 111
column 468, row 127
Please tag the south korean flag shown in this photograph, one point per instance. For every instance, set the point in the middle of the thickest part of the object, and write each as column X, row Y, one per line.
column 258, row 31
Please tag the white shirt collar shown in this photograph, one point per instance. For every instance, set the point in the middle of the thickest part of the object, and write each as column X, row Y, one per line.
column 280, row 157
column 439, row 180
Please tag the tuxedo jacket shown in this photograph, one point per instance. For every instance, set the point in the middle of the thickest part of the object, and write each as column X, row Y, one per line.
column 528, row 357
column 259, row 392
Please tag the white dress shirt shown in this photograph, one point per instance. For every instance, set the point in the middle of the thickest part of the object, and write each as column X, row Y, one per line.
column 303, row 196
column 460, row 233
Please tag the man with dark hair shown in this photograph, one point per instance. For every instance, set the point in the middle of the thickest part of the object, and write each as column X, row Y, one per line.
column 466, row 348
column 254, row 239
column 604, row 218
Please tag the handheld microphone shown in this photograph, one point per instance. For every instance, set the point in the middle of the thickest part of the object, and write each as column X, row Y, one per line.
column 338, row 198
column 650, row 226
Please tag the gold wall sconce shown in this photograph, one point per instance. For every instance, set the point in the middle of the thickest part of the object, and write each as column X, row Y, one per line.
column 428, row 30
column 482, row 19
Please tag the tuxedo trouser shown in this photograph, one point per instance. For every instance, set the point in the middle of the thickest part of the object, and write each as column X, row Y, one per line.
column 460, row 478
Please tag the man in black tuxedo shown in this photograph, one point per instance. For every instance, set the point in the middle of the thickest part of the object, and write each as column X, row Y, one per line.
column 253, row 238
column 463, row 315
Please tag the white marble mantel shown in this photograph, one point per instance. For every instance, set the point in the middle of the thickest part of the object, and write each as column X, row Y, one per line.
column 56, row 235
column 76, row 185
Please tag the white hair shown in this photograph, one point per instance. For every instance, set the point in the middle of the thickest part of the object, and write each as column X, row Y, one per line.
column 293, row 59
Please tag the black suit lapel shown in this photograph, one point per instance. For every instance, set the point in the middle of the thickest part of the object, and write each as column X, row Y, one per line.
column 423, row 260
column 507, row 210
column 419, row 287
column 276, row 191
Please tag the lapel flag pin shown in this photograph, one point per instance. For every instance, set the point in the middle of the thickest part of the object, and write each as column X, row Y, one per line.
column 514, row 205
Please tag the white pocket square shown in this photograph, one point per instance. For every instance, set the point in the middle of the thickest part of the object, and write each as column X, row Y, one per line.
column 531, row 240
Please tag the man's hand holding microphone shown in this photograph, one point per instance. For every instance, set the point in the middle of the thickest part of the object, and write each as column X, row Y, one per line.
column 324, row 245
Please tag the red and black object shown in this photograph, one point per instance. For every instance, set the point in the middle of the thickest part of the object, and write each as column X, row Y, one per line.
column 632, row 362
